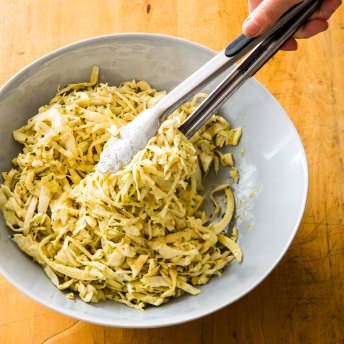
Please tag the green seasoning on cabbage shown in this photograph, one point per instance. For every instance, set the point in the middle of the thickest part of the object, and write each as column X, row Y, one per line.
column 137, row 237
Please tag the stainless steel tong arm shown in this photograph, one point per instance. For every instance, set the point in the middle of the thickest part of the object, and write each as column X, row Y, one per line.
column 264, row 47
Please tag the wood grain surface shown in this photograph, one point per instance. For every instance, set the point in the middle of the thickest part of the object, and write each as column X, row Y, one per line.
column 302, row 300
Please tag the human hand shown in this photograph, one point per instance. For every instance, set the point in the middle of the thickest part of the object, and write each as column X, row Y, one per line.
column 264, row 13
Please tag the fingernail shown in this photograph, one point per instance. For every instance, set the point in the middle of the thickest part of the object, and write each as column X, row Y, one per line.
column 250, row 27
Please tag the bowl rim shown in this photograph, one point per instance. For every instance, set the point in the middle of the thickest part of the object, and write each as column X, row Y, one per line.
column 108, row 37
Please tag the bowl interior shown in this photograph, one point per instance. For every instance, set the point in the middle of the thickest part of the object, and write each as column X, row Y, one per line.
column 271, row 193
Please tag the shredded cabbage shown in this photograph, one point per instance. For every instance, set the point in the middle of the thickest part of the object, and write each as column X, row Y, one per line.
column 139, row 236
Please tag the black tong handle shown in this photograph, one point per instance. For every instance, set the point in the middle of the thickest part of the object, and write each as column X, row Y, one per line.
column 242, row 44
column 278, row 37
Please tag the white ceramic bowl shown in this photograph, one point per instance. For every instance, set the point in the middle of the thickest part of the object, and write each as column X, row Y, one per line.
column 274, row 166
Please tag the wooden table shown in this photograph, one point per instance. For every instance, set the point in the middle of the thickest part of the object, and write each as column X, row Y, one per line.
column 302, row 300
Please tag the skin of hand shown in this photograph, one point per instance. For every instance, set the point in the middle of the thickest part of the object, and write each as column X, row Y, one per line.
column 264, row 13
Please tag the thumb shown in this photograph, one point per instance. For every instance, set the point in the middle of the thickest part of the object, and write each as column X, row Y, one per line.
column 265, row 15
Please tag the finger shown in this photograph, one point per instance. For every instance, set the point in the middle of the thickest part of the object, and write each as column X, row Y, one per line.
column 267, row 13
column 290, row 45
column 312, row 28
column 253, row 4
column 327, row 8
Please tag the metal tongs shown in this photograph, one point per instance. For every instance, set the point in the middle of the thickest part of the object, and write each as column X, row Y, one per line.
column 119, row 150
column 261, row 48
